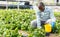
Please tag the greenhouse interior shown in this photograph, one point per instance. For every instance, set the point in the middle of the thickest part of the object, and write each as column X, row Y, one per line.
column 29, row 18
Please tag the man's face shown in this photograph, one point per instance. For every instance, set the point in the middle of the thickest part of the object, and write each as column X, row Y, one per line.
column 41, row 7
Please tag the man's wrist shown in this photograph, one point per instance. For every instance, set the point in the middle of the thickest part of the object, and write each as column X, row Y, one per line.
column 39, row 27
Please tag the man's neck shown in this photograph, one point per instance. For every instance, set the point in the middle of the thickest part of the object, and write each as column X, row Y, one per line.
column 42, row 10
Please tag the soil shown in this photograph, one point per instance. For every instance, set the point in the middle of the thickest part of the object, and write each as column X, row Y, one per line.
column 53, row 35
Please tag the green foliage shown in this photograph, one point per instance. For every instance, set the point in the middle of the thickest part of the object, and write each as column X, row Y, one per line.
column 57, row 26
column 39, row 33
column 13, row 20
column 57, row 14
column 11, row 33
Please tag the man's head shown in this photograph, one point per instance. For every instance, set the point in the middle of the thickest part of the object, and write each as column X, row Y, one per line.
column 41, row 6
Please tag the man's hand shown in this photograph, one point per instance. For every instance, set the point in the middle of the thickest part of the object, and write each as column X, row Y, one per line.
column 39, row 27
column 49, row 21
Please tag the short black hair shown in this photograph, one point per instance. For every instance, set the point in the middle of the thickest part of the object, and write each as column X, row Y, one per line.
column 41, row 3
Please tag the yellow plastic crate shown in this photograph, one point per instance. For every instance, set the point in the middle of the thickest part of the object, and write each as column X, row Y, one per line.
column 48, row 27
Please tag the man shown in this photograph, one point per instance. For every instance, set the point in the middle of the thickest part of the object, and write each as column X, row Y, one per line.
column 44, row 15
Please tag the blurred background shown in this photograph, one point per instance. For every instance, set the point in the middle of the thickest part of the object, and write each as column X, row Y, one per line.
column 24, row 4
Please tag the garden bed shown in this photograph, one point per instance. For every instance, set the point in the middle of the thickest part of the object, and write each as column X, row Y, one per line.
column 11, row 21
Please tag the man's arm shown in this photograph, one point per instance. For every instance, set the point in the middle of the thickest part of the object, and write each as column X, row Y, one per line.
column 38, row 20
column 37, row 16
column 52, row 15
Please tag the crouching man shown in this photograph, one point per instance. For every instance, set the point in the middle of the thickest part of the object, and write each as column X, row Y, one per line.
column 44, row 15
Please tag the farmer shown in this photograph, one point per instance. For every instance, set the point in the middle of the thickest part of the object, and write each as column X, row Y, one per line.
column 43, row 15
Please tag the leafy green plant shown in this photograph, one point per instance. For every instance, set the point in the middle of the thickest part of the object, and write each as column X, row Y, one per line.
column 13, row 20
column 11, row 33
column 38, row 33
